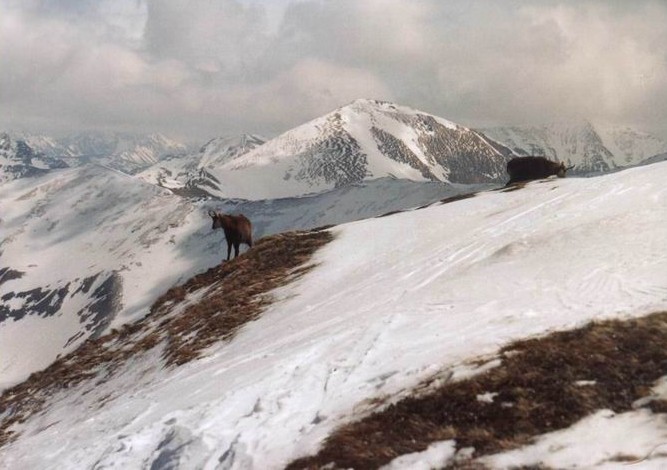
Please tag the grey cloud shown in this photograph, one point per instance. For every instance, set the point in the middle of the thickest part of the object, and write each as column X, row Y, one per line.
column 217, row 37
column 210, row 68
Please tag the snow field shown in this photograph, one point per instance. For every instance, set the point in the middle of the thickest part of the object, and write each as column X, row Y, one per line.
column 392, row 302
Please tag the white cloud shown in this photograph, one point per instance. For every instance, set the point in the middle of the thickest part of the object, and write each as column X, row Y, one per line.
column 308, row 89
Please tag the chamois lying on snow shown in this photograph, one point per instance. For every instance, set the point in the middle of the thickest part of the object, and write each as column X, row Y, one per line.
column 534, row 168
column 237, row 228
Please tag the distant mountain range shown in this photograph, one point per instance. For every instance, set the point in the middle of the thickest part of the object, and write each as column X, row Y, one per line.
column 361, row 141
column 591, row 148
column 129, row 153
column 370, row 139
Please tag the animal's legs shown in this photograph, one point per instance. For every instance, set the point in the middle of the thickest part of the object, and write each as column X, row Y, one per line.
column 229, row 250
column 236, row 249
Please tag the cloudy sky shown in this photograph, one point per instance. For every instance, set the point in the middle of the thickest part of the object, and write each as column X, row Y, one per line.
column 199, row 69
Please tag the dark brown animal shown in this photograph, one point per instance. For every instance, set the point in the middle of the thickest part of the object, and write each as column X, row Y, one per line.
column 237, row 228
column 534, row 168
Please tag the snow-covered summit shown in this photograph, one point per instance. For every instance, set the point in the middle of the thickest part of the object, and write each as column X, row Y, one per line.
column 363, row 140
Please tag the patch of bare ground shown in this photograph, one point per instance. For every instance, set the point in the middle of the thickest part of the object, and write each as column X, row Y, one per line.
column 236, row 292
column 541, row 385
column 450, row 199
column 447, row 200
column 509, row 187
column 458, row 197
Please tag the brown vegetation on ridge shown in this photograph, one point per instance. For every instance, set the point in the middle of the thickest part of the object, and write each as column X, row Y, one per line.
column 234, row 293
column 537, row 389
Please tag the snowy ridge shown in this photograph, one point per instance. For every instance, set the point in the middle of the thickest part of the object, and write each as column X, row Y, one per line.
column 384, row 309
column 591, row 148
column 190, row 173
column 361, row 141
column 88, row 249
column 341, row 205
column 224, row 149
column 655, row 159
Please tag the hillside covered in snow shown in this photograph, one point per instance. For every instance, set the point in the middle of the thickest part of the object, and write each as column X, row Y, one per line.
column 88, row 249
column 357, row 318
column 79, row 252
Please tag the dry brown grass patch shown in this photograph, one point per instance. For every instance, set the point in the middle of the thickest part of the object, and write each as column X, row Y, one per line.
column 538, row 390
column 236, row 293
column 240, row 298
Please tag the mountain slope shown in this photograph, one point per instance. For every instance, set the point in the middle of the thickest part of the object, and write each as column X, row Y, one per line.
column 80, row 247
column 630, row 147
column 88, row 249
column 592, row 149
column 361, row 141
column 390, row 304
column 353, row 202
column 225, row 149
column 20, row 160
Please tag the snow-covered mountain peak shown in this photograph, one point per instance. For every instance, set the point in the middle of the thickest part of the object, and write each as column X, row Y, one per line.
column 354, row 118
column 363, row 140
column 366, row 106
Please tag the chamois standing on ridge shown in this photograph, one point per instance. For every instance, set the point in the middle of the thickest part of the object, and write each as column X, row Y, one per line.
column 237, row 228
column 534, row 168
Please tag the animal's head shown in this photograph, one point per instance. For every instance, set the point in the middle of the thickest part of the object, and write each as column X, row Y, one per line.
column 562, row 169
column 217, row 219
